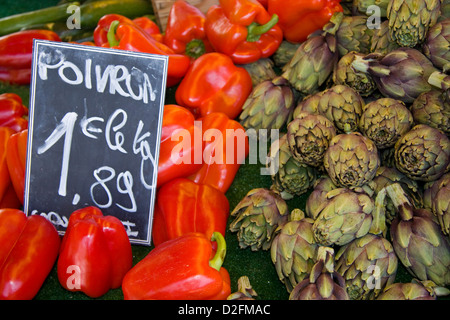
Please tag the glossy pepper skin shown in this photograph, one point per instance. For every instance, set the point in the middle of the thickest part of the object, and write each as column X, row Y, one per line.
column 27, row 255
column 126, row 36
column 180, row 269
column 5, row 180
column 226, row 147
column 150, row 27
column 243, row 30
column 299, row 18
column 183, row 206
column 16, row 49
column 214, row 84
column 185, row 30
column 99, row 247
column 16, row 156
column 100, row 34
column 175, row 161
column 15, row 76
column 13, row 112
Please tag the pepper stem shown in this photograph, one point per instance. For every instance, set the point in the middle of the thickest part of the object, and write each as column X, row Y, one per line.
column 217, row 261
column 195, row 48
column 111, row 35
column 255, row 30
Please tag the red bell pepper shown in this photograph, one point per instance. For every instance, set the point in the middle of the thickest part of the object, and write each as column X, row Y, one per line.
column 243, row 29
column 264, row 3
column 226, row 148
column 100, row 34
column 27, row 255
column 214, row 84
column 183, row 206
column 299, row 18
column 12, row 112
column 126, row 36
column 16, row 156
column 95, row 253
column 180, row 269
column 5, row 180
column 178, row 125
column 16, row 49
column 185, row 30
column 150, row 27
column 15, row 76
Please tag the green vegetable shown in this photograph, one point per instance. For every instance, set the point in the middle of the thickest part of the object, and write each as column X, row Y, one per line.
column 90, row 13
column 20, row 21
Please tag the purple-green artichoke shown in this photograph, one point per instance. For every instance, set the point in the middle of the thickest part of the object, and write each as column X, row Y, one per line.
column 418, row 240
column 308, row 137
column 430, row 108
column 401, row 74
column 384, row 121
column 409, row 20
column 414, row 290
column 437, row 199
column 294, row 249
column 346, row 215
column 437, row 45
column 351, row 160
column 423, row 153
column 323, row 283
column 256, row 217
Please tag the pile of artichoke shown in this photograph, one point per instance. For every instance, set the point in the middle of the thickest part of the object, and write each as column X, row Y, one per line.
column 367, row 143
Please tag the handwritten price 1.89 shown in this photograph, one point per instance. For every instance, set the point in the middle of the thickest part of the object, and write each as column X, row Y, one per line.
column 115, row 140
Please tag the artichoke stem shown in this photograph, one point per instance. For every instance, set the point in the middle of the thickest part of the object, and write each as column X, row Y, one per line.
column 361, row 65
column 379, row 214
column 400, row 201
column 326, row 255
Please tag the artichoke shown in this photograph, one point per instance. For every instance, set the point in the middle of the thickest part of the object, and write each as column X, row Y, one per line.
column 345, row 216
column 409, row 20
column 442, row 81
column 382, row 42
column 245, row 290
column 268, row 106
column 260, row 70
column 344, row 74
column 317, row 198
column 437, row 45
column 384, row 121
column 257, row 216
column 323, row 283
column 361, row 6
column 312, row 63
column 423, row 153
column 284, row 53
column 414, row 290
column 308, row 137
column 389, row 175
column 418, row 241
column 352, row 33
column 289, row 176
column 445, row 10
column 351, row 160
column 437, row 195
column 401, row 74
column 340, row 104
column 431, row 109
column 368, row 264
column 294, row 249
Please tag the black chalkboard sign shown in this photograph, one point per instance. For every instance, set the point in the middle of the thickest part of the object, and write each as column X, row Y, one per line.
column 95, row 121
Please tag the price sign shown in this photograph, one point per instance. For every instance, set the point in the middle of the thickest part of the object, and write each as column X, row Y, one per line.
column 94, row 133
